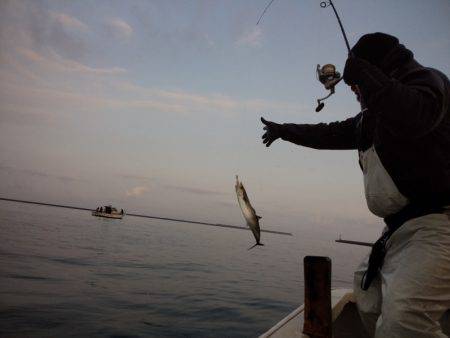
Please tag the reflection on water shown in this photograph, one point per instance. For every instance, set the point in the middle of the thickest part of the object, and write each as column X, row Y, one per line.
column 66, row 273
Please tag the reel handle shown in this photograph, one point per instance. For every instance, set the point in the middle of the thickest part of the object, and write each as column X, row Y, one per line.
column 320, row 106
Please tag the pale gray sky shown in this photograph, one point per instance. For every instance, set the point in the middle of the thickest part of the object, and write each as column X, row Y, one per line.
column 154, row 106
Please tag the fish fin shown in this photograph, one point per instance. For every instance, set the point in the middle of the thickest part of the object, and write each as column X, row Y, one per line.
column 255, row 245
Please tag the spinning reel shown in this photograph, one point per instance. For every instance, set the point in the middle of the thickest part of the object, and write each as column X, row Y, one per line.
column 326, row 74
column 329, row 77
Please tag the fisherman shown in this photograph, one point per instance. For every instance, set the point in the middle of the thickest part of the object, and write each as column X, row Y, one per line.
column 402, row 136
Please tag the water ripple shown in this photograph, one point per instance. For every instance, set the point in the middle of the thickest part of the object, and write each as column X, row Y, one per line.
column 69, row 274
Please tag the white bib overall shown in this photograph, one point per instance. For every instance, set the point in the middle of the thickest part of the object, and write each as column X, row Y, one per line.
column 410, row 296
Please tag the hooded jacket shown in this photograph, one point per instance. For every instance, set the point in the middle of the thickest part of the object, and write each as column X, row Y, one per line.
column 407, row 121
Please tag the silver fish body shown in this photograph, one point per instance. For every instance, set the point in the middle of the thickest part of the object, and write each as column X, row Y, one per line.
column 248, row 211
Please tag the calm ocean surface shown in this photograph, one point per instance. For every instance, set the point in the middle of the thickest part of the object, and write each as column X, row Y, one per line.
column 66, row 273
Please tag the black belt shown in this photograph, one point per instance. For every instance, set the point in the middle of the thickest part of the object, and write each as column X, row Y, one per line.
column 394, row 222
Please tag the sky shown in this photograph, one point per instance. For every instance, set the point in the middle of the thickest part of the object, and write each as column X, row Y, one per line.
column 154, row 106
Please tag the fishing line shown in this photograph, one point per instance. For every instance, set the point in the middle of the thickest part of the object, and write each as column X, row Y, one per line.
column 264, row 12
column 326, row 74
column 323, row 4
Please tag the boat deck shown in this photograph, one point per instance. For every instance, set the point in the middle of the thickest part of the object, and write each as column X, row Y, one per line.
column 345, row 318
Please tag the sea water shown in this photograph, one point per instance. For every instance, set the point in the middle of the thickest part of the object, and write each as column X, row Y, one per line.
column 66, row 273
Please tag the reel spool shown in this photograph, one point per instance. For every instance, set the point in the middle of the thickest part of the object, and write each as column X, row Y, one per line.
column 329, row 77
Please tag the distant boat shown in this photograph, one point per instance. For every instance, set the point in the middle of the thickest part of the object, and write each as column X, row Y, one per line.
column 108, row 212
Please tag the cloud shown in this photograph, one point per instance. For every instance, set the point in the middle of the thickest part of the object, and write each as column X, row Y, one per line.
column 135, row 177
column 185, row 102
column 251, row 38
column 69, row 22
column 11, row 169
column 209, row 41
column 136, row 191
column 196, row 191
column 74, row 66
column 31, row 25
column 40, row 44
column 44, row 75
column 12, row 114
column 119, row 28
column 55, row 62
column 51, row 103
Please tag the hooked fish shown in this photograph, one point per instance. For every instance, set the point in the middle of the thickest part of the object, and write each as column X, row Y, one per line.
column 249, row 213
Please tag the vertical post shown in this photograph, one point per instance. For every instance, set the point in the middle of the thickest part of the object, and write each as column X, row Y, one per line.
column 317, row 323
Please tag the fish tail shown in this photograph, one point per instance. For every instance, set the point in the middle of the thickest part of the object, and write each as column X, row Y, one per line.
column 255, row 245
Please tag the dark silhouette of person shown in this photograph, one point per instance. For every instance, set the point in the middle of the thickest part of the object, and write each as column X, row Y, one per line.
column 402, row 136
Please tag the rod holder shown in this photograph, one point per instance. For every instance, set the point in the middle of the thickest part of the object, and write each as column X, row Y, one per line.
column 317, row 274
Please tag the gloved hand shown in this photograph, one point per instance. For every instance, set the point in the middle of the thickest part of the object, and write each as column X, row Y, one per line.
column 273, row 131
column 369, row 78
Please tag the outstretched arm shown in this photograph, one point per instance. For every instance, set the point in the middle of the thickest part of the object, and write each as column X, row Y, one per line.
column 336, row 135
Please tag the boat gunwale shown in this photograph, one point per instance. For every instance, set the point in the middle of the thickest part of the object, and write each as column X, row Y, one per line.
column 339, row 298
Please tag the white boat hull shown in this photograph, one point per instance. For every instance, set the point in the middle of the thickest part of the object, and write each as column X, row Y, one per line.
column 344, row 317
column 104, row 214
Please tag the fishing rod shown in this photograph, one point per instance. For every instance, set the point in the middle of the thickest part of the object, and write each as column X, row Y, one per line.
column 327, row 74
column 325, row 4
column 220, row 225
